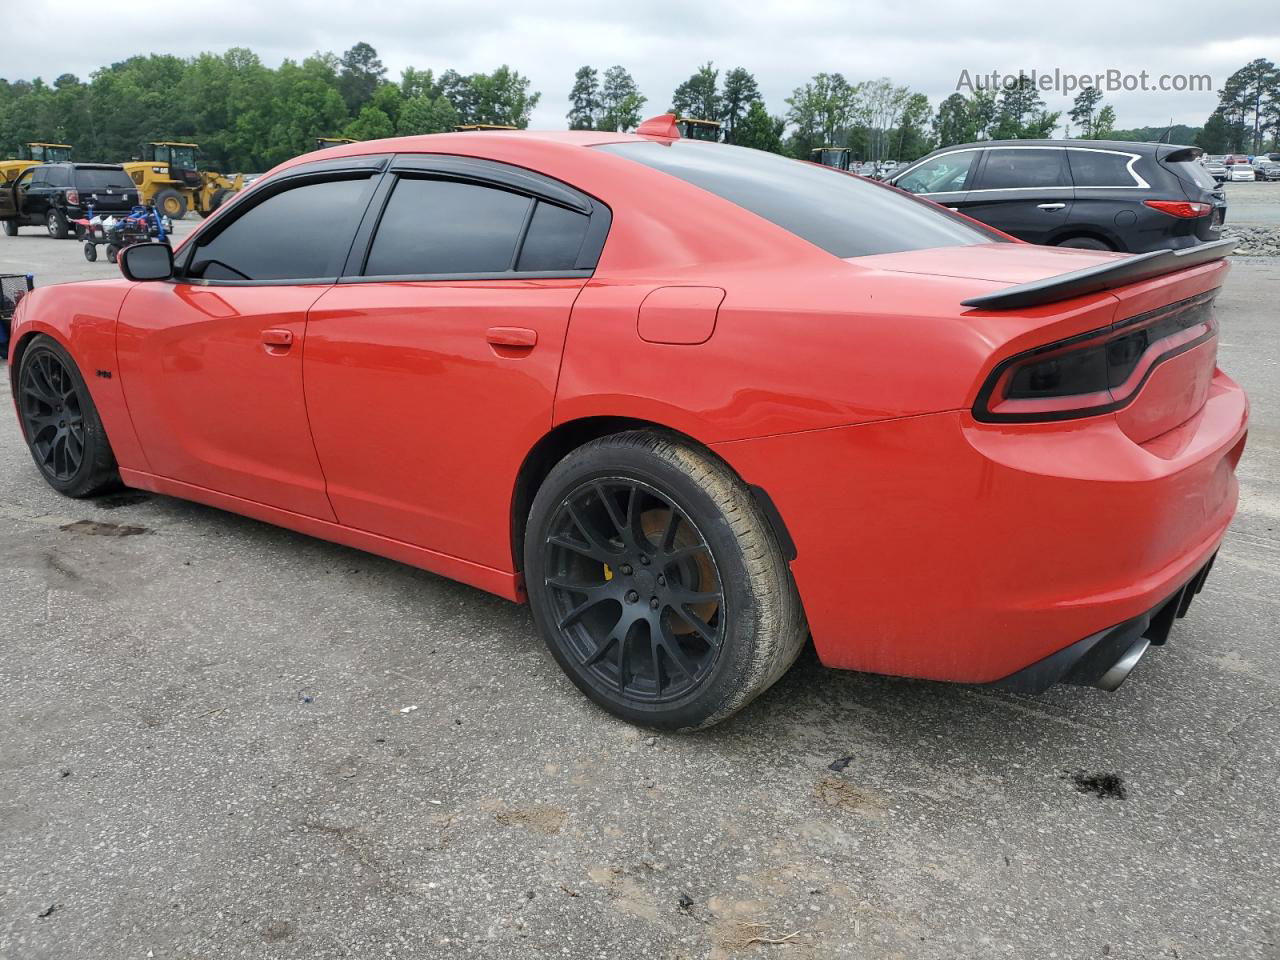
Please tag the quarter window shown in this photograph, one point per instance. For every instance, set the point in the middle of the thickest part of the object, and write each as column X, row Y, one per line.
column 555, row 236
column 943, row 174
column 1022, row 167
column 1090, row 168
column 447, row 227
column 302, row 233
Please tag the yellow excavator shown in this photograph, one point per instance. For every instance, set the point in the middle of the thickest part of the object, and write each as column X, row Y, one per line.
column 31, row 154
column 323, row 142
column 837, row 157
column 691, row 128
column 169, row 176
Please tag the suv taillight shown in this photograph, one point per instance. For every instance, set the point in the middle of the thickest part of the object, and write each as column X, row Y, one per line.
column 1095, row 372
column 73, row 197
column 1180, row 208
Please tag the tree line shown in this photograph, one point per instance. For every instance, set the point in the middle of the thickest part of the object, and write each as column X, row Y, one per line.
column 248, row 116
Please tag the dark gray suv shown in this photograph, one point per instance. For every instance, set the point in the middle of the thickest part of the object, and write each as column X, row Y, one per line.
column 1095, row 194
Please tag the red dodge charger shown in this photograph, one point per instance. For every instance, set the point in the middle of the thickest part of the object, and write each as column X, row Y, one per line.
column 694, row 402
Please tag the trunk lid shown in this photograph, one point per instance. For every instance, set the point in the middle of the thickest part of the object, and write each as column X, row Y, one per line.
column 106, row 189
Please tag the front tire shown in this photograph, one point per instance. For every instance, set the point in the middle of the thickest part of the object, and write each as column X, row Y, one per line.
column 10, row 227
column 658, row 584
column 171, row 203
column 61, row 424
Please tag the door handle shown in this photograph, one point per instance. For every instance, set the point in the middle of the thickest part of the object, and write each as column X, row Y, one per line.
column 277, row 339
column 521, row 337
column 1050, row 207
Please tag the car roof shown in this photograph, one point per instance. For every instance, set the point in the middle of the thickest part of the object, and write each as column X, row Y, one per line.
column 1131, row 146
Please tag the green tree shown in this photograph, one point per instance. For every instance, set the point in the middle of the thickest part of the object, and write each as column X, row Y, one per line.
column 1104, row 124
column 953, row 124
column 424, row 114
column 584, row 100
column 740, row 92
column 502, row 97
column 362, row 72
column 1021, row 111
column 370, row 124
column 620, row 101
column 912, row 137
column 1084, row 111
column 759, row 130
column 823, row 112
column 699, row 96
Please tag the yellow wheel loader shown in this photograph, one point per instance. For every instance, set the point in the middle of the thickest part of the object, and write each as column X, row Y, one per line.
column 324, row 142
column 31, row 154
column 169, row 176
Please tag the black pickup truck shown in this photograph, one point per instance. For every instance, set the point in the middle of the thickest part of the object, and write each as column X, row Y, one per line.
column 54, row 194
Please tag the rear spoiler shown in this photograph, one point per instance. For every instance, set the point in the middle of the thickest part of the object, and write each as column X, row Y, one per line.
column 1102, row 276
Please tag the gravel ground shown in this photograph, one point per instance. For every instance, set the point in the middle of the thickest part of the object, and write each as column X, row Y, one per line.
column 221, row 739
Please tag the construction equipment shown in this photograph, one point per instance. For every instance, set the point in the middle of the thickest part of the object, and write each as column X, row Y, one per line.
column 323, row 142
column 31, row 154
column 692, row 128
column 837, row 157
column 472, row 127
column 169, row 177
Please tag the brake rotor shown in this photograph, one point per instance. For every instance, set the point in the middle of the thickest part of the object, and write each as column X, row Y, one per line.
column 697, row 573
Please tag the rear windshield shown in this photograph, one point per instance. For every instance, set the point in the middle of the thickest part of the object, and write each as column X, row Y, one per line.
column 842, row 214
column 1193, row 172
column 90, row 179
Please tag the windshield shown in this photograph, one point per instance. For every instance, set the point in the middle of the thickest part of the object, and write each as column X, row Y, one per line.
column 842, row 214
column 92, row 179
column 184, row 158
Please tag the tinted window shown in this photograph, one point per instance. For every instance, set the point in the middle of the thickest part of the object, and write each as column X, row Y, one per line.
column 842, row 214
column 1193, row 172
column 1092, row 169
column 1021, row 167
column 301, row 234
column 91, row 179
column 554, row 238
column 442, row 226
column 941, row 174
column 39, row 177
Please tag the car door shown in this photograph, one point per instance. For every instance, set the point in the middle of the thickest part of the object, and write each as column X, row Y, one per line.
column 31, row 194
column 1109, row 190
column 211, row 362
column 431, row 368
column 1024, row 191
column 943, row 177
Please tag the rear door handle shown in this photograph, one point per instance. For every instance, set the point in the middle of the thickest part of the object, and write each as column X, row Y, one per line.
column 521, row 337
column 277, row 339
column 1051, row 206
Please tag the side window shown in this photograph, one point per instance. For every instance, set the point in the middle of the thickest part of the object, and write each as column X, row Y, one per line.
column 302, row 233
column 447, row 227
column 1015, row 168
column 555, row 236
column 942, row 174
column 1090, row 168
column 58, row 177
column 38, row 177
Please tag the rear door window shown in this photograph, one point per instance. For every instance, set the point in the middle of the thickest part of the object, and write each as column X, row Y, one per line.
column 301, row 233
column 57, row 177
column 1023, row 168
column 447, row 227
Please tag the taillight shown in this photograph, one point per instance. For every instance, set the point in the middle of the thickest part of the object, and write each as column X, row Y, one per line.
column 1095, row 372
column 1180, row 208
column 73, row 197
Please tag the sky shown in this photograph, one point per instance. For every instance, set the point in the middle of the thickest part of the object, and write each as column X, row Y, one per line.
column 924, row 44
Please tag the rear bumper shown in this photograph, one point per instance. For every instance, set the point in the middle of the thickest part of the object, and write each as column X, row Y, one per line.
column 1105, row 659
column 943, row 548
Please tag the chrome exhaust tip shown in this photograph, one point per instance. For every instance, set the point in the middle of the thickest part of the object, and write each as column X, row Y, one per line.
column 1121, row 669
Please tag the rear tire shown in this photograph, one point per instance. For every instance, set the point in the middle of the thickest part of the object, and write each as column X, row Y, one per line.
column 60, row 423
column 55, row 222
column 658, row 584
column 171, row 203
column 113, row 252
column 90, row 252
column 1085, row 243
column 10, row 227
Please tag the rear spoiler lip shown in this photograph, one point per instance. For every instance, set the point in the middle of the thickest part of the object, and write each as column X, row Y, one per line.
column 1103, row 276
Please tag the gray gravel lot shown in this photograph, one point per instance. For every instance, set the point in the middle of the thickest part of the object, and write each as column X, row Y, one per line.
column 220, row 739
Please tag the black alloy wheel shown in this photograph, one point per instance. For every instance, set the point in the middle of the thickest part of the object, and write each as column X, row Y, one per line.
column 635, row 589
column 60, row 422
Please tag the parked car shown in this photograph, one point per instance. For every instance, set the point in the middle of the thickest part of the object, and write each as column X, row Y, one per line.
column 1231, row 159
column 55, row 194
column 1266, row 170
column 1092, row 194
column 1240, row 172
column 782, row 402
column 1216, row 169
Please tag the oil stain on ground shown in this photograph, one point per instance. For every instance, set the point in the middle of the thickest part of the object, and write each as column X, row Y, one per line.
column 1108, row 786
column 92, row 528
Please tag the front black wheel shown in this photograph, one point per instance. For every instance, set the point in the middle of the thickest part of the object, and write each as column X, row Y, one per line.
column 90, row 251
column 657, row 583
column 10, row 227
column 60, row 422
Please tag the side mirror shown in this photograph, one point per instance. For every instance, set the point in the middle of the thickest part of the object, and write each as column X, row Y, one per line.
column 146, row 261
